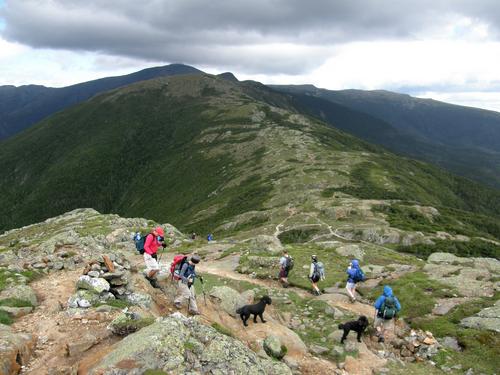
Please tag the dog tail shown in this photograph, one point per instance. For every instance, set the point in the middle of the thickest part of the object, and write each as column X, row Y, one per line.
column 238, row 311
column 341, row 326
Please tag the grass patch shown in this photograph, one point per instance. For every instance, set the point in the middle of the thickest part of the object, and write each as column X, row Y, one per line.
column 297, row 235
column 6, row 318
column 14, row 302
column 221, row 329
column 473, row 248
column 416, row 292
column 155, row 372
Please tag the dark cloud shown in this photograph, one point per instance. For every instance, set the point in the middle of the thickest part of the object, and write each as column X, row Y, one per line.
column 249, row 35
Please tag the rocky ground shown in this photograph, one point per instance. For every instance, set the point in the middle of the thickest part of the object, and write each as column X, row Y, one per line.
column 74, row 294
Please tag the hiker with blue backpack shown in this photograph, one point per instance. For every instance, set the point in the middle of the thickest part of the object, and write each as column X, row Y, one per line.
column 148, row 246
column 316, row 273
column 354, row 275
column 387, row 307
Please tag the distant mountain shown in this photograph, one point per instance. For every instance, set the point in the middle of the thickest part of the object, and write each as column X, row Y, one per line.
column 21, row 107
column 210, row 154
column 464, row 140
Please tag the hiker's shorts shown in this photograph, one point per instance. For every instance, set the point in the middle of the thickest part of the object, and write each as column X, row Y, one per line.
column 151, row 263
column 385, row 324
column 350, row 285
column 283, row 273
column 185, row 293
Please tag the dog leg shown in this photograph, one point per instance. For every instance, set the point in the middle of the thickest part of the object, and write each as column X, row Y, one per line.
column 261, row 318
column 359, row 336
column 245, row 318
column 255, row 318
column 344, row 336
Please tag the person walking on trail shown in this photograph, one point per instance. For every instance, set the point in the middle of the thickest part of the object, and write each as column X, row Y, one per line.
column 153, row 241
column 386, row 308
column 286, row 265
column 316, row 273
column 354, row 275
column 210, row 237
column 185, row 288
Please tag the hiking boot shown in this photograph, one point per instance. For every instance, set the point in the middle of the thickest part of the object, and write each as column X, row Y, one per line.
column 153, row 282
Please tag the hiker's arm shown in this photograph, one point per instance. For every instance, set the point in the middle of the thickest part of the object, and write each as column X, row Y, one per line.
column 183, row 271
column 398, row 305
column 311, row 271
column 147, row 244
column 378, row 302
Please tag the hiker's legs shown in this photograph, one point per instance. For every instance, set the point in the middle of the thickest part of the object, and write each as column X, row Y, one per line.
column 315, row 288
column 152, row 266
column 381, row 325
column 183, row 294
column 351, row 291
column 192, row 306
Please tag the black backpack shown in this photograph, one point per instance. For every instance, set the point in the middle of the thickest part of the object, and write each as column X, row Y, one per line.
column 140, row 241
column 289, row 263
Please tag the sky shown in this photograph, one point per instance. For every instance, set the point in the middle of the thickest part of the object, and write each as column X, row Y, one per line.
column 447, row 50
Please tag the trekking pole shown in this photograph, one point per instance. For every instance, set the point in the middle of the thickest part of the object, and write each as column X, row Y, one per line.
column 203, row 290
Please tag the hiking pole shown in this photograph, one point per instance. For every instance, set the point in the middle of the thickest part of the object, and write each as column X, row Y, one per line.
column 203, row 290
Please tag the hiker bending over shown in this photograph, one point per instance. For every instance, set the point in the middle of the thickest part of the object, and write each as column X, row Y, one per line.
column 386, row 308
column 316, row 273
column 185, row 288
column 286, row 265
column 354, row 276
column 153, row 241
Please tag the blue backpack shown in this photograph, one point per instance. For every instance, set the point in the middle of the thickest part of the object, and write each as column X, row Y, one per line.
column 359, row 276
column 139, row 242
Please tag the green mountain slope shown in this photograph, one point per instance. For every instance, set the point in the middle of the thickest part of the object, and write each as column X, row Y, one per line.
column 21, row 107
column 460, row 139
column 206, row 153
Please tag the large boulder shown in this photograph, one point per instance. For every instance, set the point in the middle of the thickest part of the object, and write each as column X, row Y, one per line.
column 352, row 251
column 15, row 350
column 20, row 292
column 138, row 299
column 96, row 285
column 488, row 318
column 448, row 258
column 228, row 299
column 180, row 345
column 269, row 244
column 83, row 298
column 273, row 347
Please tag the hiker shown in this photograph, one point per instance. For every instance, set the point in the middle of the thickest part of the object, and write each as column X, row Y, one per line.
column 286, row 265
column 193, row 236
column 386, row 308
column 152, row 242
column 354, row 275
column 316, row 273
column 185, row 288
column 210, row 237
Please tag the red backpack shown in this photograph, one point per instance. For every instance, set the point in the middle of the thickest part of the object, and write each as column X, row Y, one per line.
column 176, row 266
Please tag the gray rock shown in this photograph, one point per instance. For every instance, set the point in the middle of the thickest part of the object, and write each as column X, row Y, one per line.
column 94, row 274
column 17, row 312
column 96, row 285
column 81, row 345
column 228, row 299
column 445, row 305
column 351, row 346
column 20, row 292
column 139, row 299
column 83, row 298
column 58, row 266
column 351, row 251
column 265, row 243
column 273, row 347
column 451, row 343
column 337, row 352
column 318, row 349
column 179, row 345
column 335, row 336
column 448, row 258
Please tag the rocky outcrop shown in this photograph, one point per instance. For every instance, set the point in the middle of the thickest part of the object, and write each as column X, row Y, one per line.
column 268, row 244
column 15, row 350
column 352, row 251
column 180, row 345
column 488, row 318
column 229, row 299
column 273, row 347
column 20, row 292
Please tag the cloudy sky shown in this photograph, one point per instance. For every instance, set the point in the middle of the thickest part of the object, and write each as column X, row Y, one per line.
column 444, row 49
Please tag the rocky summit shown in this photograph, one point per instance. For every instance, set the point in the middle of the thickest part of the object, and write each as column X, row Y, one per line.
column 74, row 299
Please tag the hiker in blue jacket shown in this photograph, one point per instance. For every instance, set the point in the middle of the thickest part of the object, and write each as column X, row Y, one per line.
column 354, row 275
column 386, row 308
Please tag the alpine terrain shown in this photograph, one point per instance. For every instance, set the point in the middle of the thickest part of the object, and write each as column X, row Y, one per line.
column 263, row 173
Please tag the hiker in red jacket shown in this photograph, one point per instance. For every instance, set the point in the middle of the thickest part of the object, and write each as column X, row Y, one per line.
column 153, row 241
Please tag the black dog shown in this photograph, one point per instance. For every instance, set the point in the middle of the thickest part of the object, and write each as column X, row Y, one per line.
column 257, row 309
column 355, row 325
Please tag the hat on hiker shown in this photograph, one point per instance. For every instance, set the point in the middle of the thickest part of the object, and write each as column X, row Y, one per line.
column 195, row 259
column 314, row 257
column 160, row 231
